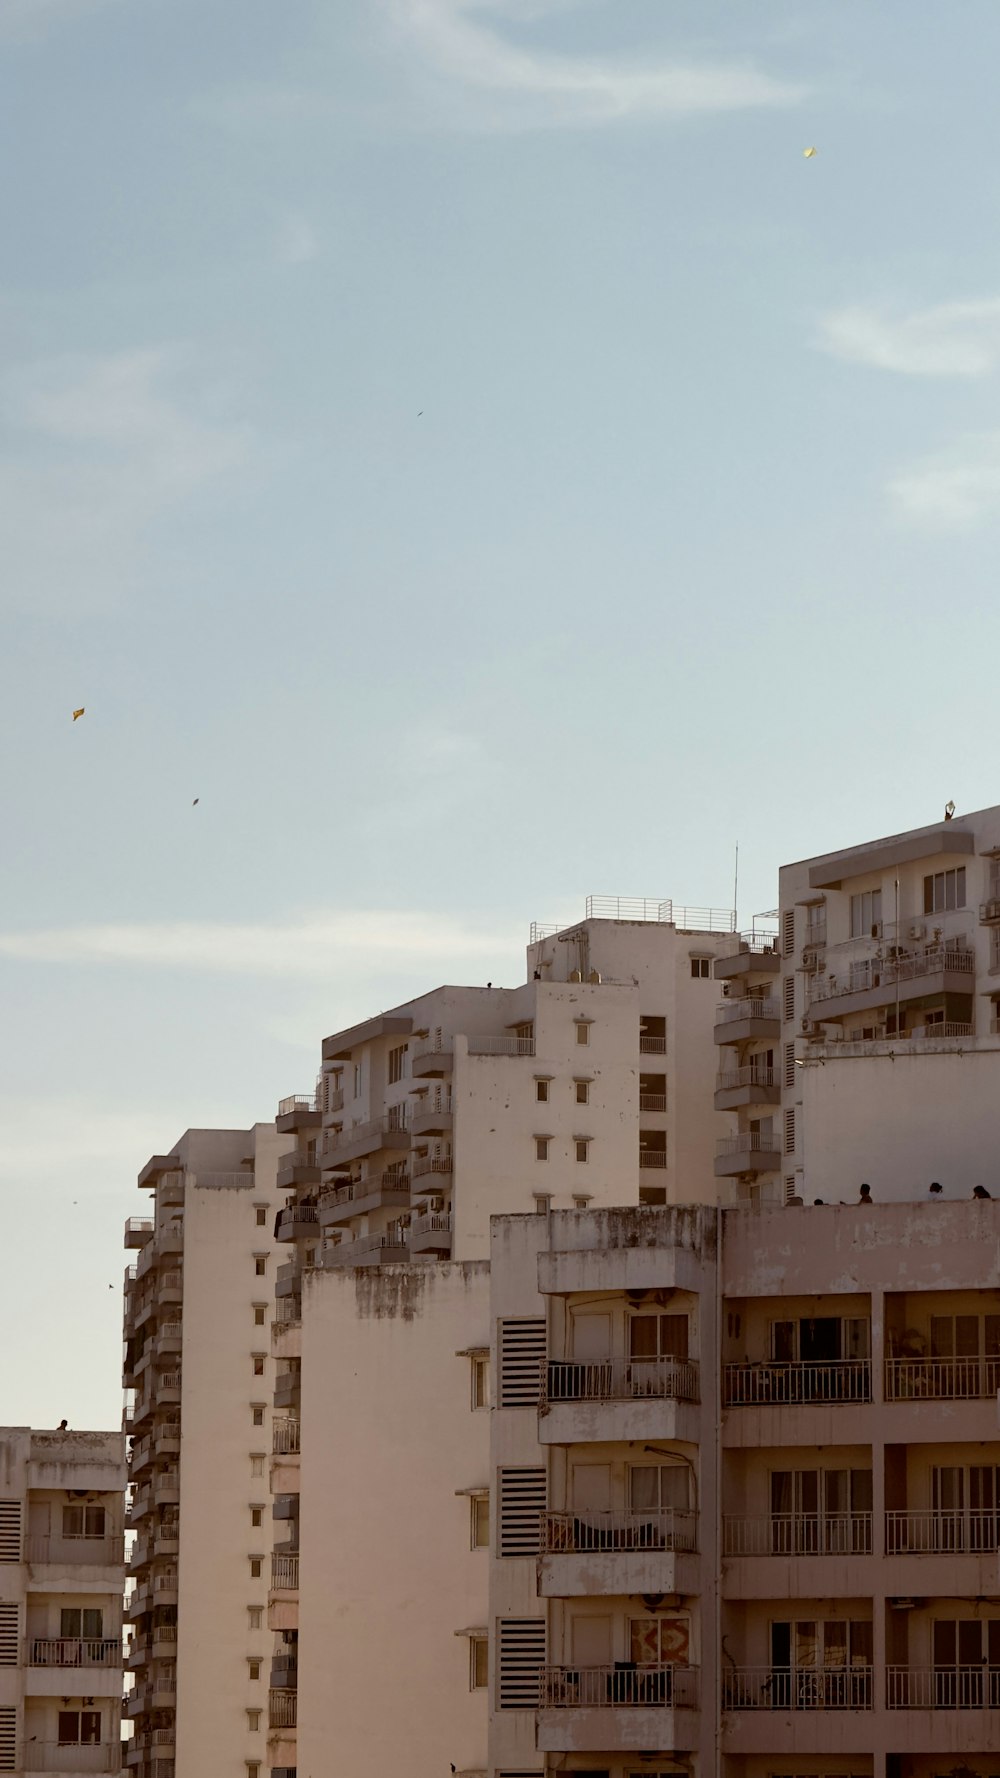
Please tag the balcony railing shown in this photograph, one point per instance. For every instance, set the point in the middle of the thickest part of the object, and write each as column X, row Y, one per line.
column 626, row 1685
column 746, row 1077
column 422, row 1166
column 71, row 1756
column 631, row 1528
column 501, row 1046
column 75, row 1551
column 285, row 1573
column 653, row 1157
column 281, row 1709
column 621, row 1379
column 668, row 912
column 393, row 1123
column 287, row 1311
column 941, row 1379
column 942, row 1688
column 652, row 1101
column 752, row 1007
column 866, row 973
column 757, row 944
column 390, row 1180
column 297, row 1102
column 798, row 1534
column 803, row 1688
column 285, row 1436
column 748, row 1142
column 74, row 1651
column 434, row 1223
column 652, row 1046
column 942, row 1533
column 756, row 1385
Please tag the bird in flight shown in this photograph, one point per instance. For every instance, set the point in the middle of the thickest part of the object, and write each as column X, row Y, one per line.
column 78, row 713
column 808, row 152
column 197, row 800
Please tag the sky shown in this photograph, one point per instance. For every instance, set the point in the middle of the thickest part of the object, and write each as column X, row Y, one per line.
column 474, row 451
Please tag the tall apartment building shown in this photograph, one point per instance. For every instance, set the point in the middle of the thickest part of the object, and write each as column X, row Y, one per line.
column 198, row 1412
column 857, row 1044
column 746, row 1481
column 588, row 1084
column 62, row 1575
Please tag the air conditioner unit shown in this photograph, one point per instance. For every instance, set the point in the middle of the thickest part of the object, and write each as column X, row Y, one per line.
column 725, row 990
column 808, row 1026
column 437, row 1204
column 918, row 930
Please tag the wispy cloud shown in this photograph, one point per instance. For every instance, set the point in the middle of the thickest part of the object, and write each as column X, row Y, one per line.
column 317, row 943
column 470, row 42
column 104, row 446
column 952, row 491
column 959, row 339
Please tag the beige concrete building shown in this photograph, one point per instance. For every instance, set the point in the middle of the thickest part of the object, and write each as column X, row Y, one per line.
column 198, row 1412
column 590, row 1083
column 62, row 1574
column 715, row 1547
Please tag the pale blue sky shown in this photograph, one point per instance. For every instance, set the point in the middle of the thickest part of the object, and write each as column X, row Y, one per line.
column 474, row 451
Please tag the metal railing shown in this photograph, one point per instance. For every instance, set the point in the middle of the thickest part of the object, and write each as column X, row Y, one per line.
column 71, row 1756
column 748, row 1142
column 540, row 929
column 941, row 1379
column 297, row 1102
column 387, row 1181
column 798, row 1534
column 802, row 1688
column 434, row 1223
column 285, row 1573
column 282, row 1709
column 938, row 1533
column 501, row 1046
column 74, row 1651
column 748, row 1076
column 422, row 1167
column 168, row 1380
column 350, row 1253
column 292, row 1213
column 226, row 1181
column 667, row 912
column 297, row 1157
column 165, row 1582
column 942, row 1688
column 172, row 1329
column 626, row 1685
column 758, row 944
column 620, row 1379
column 285, row 1436
column 652, row 1157
column 652, row 1046
column 393, row 1123
column 866, row 973
column 287, row 1311
column 75, row 1551
column 652, row 1101
column 138, row 1225
column 752, row 1006
column 629, row 1528
column 755, row 1385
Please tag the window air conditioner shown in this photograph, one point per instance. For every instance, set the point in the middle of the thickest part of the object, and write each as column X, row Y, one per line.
column 919, row 930
column 437, row 1204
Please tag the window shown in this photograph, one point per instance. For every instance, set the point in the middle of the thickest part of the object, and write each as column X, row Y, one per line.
column 542, row 1091
column 260, row 1211
column 701, row 968
column 253, row 1667
column 256, row 1515
column 658, row 1336
column 260, row 1264
column 258, row 1364
column 543, row 1203
column 256, row 1567
column 659, row 1640
column 253, row 1721
column 357, row 1079
column 397, row 1063
column 479, row 1650
column 866, row 914
column 944, row 890
column 79, row 1728
column 259, row 1312
column 582, row 1032
column 10, row 1531
column 480, row 1516
column 256, row 1464
column 74, row 1622
column 815, row 1511
column 253, row 1768
column 83, row 1521
column 257, row 1415
column 541, row 1148
column 583, row 1092
column 255, row 1616
column 480, row 1382
column 660, row 1487
column 582, row 1146
column 581, row 1200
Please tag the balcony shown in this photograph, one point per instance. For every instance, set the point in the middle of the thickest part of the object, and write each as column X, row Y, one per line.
column 618, row 1399
column 761, row 1385
column 942, row 1379
column 168, row 1338
column 285, row 1672
column 379, row 1191
column 297, row 1222
column 798, row 1534
column 166, row 1488
column 284, row 1574
column 942, row 1533
column 619, row 1708
column 282, row 1709
column 297, row 1168
column 652, row 1101
column 871, row 982
column 501, row 1046
column 616, row 1553
column 805, row 1688
column 74, row 1651
column 752, row 953
column 52, row 1551
column 653, row 1159
column 288, row 1387
column 370, row 1250
column 989, row 911
column 285, row 1437
column 943, row 1688
column 431, row 1115
column 752, row 1018
column 424, row 1167
column 750, row 1151
column 342, row 1147
column 300, row 1111
column 70, row 1756
column 431, row 1234
column 432, row 1058
column 139, row 1231
column 651, row 1045
column 751, row 1085
column 621, row 1379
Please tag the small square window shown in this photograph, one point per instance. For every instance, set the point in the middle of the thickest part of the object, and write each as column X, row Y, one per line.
column 253, row 1768
column 255, row 1617
column 256, row 1567
column 542, row 1091
column 541, row 1148
column 582, row 1150
column 480, row 1505
column 256, row 1515
column 583, row 1033
column 256, row 1464
column 480, row 1382
column 261, row 1212
column 259, row 1312
column 253, row 1721
column 543, row 1202
column 583, row 1092
column 701, row 968
column 581, row 1200
column 479, row 1650
column 260, row 1264
column 257, row 1416
column 258, row 1364
column 253, row 1668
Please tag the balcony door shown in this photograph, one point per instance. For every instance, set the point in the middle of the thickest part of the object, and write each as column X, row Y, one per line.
column 821, row 1512
column 967, row 1348
column 821, row 1664
column 966, row 1663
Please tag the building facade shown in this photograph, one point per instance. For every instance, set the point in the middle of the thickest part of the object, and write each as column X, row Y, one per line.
column 198, row 1414
column 62, row 1575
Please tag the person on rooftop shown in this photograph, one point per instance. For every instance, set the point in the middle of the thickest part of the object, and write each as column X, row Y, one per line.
column 934, row 1189
column 865, row 1195
column 979, row 1191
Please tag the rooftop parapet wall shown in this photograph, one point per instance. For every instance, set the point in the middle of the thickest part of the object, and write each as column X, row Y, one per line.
column 843, row 1249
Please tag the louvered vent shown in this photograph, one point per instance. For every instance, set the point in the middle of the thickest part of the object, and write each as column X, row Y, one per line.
column 8, row 1737
column 522, row 1657
column 522, row 1502
column 10, row 1531
column 789, row 1187
column 522, row 1355
column 788, row 932
column 789, row 997
column 789, row 1132
column 8, row 1635
column 789, row 1064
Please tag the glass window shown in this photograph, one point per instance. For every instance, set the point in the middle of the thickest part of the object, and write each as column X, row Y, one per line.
column 866, row 913
column 944, row 890
column 480, row 1382
column 658, row 1336
column 541, row 1148
column 261, row 1210
column 583, row 1092
column 83, row 1521
column 583, row 1033
column 542, row 1091
column 583, row 1151
column 255, row 1615
column 259, row 1311
column 478, row 1663
column 397, row 1063
column 480, row 1521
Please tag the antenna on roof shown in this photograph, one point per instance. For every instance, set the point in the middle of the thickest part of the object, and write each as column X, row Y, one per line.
column 736, row 886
